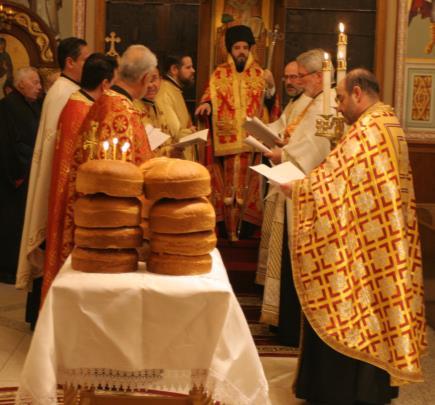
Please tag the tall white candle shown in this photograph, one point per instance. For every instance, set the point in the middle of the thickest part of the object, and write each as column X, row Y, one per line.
column 326, row 70
column 342, row 43
column 341, row 68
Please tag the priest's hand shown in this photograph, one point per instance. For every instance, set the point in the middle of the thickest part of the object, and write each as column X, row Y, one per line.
column 281, row 142
column 274, row 155
column 203, row 109
column 287, row 189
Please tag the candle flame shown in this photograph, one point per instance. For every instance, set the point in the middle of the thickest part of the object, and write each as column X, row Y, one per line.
column 326, row 56
column 341, row 27
column 125, row 147
column 340, row 55
column 106, row 145
column 115, row 141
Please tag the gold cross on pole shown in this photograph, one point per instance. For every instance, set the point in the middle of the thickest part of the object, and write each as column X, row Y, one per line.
column 112, row 39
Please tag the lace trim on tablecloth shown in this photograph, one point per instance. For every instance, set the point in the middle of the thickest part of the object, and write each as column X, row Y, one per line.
column 181, row 381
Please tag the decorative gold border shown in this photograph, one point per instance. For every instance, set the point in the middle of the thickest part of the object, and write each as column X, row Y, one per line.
column 41, row 39
column 427, row 137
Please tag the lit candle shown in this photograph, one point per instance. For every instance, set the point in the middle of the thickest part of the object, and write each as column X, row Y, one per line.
column 326, row 70
column 341, row 68
column 115, row 145
column 105, row 149
column 124, row 150
column 342, row 43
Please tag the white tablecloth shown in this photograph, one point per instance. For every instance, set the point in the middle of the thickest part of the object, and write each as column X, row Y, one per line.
column 143, row 330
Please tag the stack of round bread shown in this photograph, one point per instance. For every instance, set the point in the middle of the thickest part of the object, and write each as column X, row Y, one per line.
column 144, row 250
column 182, row 221
column 107, row 217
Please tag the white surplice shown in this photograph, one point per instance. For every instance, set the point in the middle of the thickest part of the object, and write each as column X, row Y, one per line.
column 306, row 150
column 31, row 259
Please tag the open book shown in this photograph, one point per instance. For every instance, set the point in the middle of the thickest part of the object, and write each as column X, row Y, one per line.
column 196, row 137
column 155, row 136
column 281, row 174
column 261, row 131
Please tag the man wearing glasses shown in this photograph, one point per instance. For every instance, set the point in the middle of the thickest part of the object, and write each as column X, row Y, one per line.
column 307, row 151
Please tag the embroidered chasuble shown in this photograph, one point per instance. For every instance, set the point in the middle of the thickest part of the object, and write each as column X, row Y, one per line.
column 355, row 246
column 31, row 260
column 151, row 114
column 60, row 228
column 113, row 116
column 234, row 96
column 306, row 150
column 170, row 101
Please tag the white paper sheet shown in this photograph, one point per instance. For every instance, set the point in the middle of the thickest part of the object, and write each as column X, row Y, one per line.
column 251, row 141
column 196, row 137
column 281, row 174
column 155, row 136
column 259, row 130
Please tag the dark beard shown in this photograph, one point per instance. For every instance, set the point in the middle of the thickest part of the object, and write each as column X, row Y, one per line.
column 186, row 83
column 240, row 64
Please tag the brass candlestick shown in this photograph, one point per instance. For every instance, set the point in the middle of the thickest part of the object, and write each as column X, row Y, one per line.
column 330, row 127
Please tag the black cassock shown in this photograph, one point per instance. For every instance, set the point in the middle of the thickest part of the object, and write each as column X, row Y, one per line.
column 19, row 120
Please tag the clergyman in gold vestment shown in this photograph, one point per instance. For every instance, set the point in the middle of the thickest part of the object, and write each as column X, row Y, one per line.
column 356, row 259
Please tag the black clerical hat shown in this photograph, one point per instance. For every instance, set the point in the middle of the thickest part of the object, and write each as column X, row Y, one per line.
column 238, row 33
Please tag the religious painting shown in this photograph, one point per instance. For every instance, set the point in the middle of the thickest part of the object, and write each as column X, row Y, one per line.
column 256, row 14
column 420, row 101
column 13, row 55
column 415, row 69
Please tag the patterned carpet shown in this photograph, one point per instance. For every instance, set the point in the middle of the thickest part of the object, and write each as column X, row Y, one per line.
column 266, row 341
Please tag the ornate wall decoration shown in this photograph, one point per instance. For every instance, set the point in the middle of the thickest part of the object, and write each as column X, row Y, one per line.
column 421, row 97
column 41, row 39
column 79, row 18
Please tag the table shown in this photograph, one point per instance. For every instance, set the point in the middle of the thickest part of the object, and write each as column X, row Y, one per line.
column 143, row 331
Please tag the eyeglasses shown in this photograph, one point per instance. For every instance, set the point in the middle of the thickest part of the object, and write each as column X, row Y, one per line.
column 289, row 77
column 301, row 76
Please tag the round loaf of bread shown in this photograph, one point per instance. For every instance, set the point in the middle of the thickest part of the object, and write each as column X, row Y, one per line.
column 174, row 178
column 112, row 177
column 144, row 251
column 187, row 244
column 145, row 227
column 146, row 206
column 102, row 211
column 177, row 265
column 182, row 216
column 108, row 238
column 104, row 260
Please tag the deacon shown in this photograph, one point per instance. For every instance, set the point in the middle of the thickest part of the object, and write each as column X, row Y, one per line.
column 98, row 73
column 298, row 100
column 237, row 89
column 20, row 111
column 179, row 74
column 306, row 150
column 357, row 261
column 71, row 55
column 113, row 122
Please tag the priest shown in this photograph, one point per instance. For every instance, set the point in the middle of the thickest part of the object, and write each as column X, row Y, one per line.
column 98, row 74
column 179, row 74
column 357, row 261
column 113, row 121
column 71, row 55
column 237, row 89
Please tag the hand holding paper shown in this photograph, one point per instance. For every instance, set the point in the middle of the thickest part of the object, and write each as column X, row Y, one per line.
column 281, row 174
column 259, row 130
column 196, row 137
column 155, row 136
